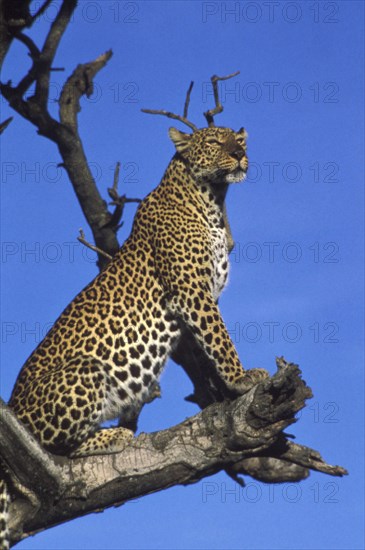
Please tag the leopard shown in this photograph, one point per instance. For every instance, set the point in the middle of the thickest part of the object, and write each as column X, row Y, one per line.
column 105, row 353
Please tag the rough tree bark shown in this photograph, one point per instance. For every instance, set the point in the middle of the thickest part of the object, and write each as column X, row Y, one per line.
column 241, row 436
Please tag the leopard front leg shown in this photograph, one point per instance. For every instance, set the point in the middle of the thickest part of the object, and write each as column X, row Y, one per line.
column 201, row 314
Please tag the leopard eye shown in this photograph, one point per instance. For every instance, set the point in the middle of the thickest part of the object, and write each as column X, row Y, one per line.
column 213, row 141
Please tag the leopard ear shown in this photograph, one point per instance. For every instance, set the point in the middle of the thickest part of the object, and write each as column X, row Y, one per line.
column 243, row 132
column 181, row 140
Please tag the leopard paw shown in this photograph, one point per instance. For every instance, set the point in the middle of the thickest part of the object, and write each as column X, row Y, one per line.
column 104, row 441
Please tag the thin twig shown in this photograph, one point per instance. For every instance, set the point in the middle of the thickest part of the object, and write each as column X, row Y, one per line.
column 187, row 100
column 41, row 10
column 125, row 199
column 116, row 178
column 33, row 49
column 5, row 124
column 119, row 201
column 171, row 115
column 209, row 115
column 113, row 191
column 96, row 249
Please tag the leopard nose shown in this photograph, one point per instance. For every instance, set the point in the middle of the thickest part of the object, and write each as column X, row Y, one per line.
column 238, row 154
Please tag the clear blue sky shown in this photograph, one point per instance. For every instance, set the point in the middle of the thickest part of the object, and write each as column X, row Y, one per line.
column 296, row 280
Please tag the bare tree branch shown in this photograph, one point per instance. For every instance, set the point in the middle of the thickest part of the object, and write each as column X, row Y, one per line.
column 14, row 16
column 27, row 41
column 5, row 124
column 119, row 201
column 209, row 115
column 187, row 100
column 49, row 49
column 35, row 109
column 41, row 10
column 65, row 133
column 81, row 238
column 234, row 435
column 171, row 115
column 78, row 84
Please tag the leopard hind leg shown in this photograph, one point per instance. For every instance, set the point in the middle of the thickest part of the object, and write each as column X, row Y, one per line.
column 65, row 407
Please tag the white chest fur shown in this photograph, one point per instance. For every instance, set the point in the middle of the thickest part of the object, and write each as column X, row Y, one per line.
column 220, row 260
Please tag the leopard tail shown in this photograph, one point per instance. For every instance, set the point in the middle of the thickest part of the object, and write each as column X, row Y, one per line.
column 4, row 515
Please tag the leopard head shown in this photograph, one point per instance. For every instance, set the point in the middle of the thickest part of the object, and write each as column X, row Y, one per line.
column 213, row 154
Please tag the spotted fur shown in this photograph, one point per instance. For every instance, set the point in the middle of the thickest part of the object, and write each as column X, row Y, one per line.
column 4, row 516
column 107, row 349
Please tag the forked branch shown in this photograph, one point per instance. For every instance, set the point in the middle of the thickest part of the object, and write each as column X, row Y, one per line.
column 184, row 118
column 209, row 115
column 119, row 201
